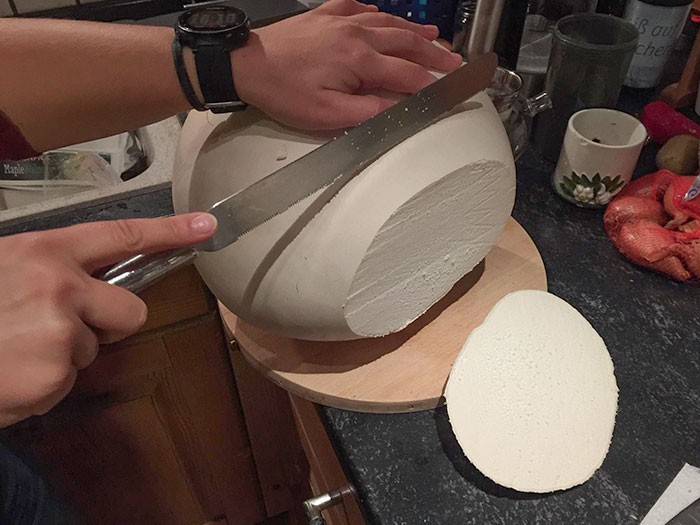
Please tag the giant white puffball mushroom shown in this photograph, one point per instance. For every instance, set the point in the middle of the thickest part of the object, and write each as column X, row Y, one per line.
column 532, row 396
column 384, row 249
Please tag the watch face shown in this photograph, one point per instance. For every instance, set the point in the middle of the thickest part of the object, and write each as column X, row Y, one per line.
column 213, row 19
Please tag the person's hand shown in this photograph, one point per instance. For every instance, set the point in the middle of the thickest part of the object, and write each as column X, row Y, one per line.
column 53, row 314
column 310, row 71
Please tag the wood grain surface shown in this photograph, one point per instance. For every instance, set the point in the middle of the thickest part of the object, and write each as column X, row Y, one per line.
column 405, row 371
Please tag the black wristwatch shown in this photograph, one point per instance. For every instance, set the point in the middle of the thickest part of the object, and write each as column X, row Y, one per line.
column 212, row 32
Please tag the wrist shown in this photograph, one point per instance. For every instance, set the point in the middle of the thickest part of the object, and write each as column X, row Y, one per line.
column 243, row 66
column 191, row 68
column 204, row 39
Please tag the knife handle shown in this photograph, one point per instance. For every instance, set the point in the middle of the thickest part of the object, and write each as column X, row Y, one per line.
column 141, row 271
column 693, row 190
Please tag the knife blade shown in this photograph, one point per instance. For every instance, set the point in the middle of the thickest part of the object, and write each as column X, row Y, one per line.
column 338, row 161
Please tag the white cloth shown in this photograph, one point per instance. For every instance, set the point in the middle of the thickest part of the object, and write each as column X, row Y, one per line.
column 683, row 490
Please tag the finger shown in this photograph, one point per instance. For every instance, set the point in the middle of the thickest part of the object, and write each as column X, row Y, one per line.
column 342, row 110
column 393, row 74
column 410, row 46
column 85, row 348
column 57, row 393
column 444, row 43
column 98, row 244
column 70, row 343
column 429, row 32
column 346, row 8
column 114, row 312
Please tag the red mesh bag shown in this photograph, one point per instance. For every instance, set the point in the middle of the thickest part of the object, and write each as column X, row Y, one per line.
column 651, row 225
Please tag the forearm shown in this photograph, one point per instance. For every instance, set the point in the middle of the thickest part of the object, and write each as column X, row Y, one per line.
column 64, row 82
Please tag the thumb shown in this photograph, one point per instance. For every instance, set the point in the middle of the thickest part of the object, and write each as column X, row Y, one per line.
column 343, row 110
column 98, row 244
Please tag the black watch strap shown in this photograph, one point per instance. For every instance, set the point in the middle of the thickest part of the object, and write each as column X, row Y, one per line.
column 183, row 78
column 216, row 78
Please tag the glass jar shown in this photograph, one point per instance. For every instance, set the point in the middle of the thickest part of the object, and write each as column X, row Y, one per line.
column 590, row 56
column 538, row 33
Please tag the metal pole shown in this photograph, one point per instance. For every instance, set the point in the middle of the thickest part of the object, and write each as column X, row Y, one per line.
column 487, row 19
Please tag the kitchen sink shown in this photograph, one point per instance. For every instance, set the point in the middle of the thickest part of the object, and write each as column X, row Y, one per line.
column 159, row 141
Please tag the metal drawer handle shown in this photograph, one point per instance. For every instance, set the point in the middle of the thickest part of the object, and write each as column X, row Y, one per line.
column 314, row 506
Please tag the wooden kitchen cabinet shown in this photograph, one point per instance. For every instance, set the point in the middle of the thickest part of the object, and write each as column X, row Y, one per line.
column 294, row 457
column 155, row 432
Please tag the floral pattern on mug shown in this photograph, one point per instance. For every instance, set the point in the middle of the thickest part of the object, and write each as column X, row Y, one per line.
column 595, row 190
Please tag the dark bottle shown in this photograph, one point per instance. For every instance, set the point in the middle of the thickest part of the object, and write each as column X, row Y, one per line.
column 510, row 32
column 611, row 7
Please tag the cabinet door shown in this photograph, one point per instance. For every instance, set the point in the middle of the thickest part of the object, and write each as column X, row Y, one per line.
column 294, row 457
column 326, row 472
column 153, row 433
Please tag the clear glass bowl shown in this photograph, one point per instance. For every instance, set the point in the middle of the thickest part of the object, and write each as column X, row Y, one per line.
column 505, row 94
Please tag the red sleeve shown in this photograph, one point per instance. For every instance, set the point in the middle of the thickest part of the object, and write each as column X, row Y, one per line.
column 13, row 145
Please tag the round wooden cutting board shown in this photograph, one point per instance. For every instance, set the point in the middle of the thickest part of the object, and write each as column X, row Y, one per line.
column 405, row 371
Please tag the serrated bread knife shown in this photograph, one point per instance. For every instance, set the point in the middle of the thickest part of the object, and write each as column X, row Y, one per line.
column 332, row 165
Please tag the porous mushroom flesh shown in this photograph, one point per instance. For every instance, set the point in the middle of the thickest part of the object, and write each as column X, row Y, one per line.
column 532, row 396
column 383, row 250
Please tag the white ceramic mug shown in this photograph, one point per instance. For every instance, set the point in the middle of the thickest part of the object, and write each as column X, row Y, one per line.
column 600, row 151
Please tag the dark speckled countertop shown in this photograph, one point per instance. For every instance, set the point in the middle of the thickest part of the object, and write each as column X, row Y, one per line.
column 408, row 468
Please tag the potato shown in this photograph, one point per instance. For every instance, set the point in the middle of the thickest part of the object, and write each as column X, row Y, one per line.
column 679, row 155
